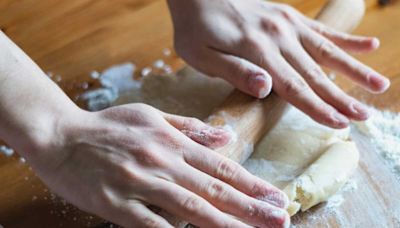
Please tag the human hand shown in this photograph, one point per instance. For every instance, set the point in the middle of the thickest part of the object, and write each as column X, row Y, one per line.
column 116, row 162
column 257, row 45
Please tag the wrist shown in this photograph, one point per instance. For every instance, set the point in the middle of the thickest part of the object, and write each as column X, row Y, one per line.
column 47, row 131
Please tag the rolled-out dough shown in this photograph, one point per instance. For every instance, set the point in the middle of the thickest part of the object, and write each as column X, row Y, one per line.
column 323, row 178
column 310, row 162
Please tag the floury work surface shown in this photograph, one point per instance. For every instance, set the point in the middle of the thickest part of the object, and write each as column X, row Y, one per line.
column 111, row 34
column 377, row 136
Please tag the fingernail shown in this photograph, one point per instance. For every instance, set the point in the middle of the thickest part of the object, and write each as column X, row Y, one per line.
column 375, row 43
column 379, row 82
column 360, row 110
column 340, row 120
column 260, row 86
column 281, row 216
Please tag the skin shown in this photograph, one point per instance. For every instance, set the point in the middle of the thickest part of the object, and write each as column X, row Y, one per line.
column 116, row 162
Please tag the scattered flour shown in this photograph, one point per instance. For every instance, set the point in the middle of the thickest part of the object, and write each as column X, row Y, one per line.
column 336, row 200
column 115, row 81
column 6, row 150
column 331, row 209
column 94, row 74
column 58, row 78
column 383, row 129
column 146, row 71
column 167, row 52
column 119, row 77
column 159, row 64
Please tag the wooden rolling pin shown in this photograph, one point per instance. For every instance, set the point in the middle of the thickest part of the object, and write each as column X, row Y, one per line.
column 251, row 118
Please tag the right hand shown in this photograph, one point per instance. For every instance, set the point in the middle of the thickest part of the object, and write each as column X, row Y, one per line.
column 257, row 45
column 116, row 162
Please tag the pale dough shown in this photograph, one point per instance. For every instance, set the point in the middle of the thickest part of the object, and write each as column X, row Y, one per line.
column 308, row 161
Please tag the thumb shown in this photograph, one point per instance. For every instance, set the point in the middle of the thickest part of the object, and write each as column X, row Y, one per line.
column 198, row 131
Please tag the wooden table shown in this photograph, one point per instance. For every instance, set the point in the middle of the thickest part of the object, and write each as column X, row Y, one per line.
column 72, row 38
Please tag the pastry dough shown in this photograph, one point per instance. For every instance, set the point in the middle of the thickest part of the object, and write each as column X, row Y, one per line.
column 310, row 162
column 323, row 178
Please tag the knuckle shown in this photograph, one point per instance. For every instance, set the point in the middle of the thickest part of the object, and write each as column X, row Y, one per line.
column 294, row 87
column 287, row 12
column 149, row 222
column 314, row 75
column 257, row 210
column 217, row 190
column 128, row 171
column 133, row 114
column 227, row 170
column 326, row 49
column 192, row 205
column 258, row 188
column 274, row 27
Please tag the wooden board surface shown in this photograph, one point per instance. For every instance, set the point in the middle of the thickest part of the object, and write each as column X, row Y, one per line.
column 72, row 38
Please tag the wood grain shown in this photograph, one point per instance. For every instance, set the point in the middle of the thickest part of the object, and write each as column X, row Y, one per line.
column 72, row 38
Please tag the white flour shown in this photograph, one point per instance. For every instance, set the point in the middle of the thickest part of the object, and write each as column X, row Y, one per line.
column 336, row 200
column 6, row 151
column 115, row 81
column 383, row 129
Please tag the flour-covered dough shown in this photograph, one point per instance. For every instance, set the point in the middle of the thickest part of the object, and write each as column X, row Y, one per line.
column 323, row 178
column 308, row 161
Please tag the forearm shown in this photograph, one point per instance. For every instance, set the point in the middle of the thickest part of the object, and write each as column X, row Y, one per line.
column 31, row 105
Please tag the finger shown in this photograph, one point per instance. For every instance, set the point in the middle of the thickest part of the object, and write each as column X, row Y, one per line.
column 289, row 84
column 198, row 131
column 321, row 85
column 328, row 54
column 293, row 88
column 189, row 206
column 135, row 214
column 242, row 74
column 344, row 40
column 232, row 173
column 228, row 199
